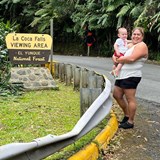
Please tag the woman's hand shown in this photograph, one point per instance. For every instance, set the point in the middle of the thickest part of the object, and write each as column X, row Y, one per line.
column 114, row 58
column 120, row 59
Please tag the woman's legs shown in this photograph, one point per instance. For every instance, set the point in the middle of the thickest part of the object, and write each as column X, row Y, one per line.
column 118, row 94
column 127, row 101
column 132, row 104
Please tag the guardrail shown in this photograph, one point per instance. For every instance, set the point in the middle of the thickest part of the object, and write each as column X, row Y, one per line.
column 45, row 146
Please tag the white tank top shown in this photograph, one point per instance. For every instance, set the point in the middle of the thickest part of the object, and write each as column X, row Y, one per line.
column 131, row 69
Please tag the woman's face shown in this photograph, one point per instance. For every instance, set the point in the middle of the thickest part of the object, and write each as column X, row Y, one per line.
column 137, row 36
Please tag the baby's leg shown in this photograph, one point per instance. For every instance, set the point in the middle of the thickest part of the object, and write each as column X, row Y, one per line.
column 118, row 68
column 114, row 67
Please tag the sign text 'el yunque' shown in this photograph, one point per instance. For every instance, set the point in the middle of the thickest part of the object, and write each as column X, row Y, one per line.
column 29, row 48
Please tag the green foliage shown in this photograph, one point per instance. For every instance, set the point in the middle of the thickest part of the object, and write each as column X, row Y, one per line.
column 125, row 9
column 19, row 12
column 16, row 1
column 70, row 18
column 4, row 62
column 155, row 20
column 56, row 10
column 113, row 5
column 112, row 14
column 91, row 14
column 5, row 65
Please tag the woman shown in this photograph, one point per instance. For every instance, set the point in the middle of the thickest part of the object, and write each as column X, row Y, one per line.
column 129, row 77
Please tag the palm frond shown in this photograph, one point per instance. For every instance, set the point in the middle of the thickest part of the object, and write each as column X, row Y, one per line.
column 125, row 9
column 16, row 1
column 136, row 10
column 40, row 12
column 120, row 21
column 113, row 5
column 35, row 21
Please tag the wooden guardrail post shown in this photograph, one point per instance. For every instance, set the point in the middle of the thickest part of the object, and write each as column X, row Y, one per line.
column 87, row 97
column 99, row 81
column 76, row 78
column 84, row 78
column 56, row 70
column 92, row 82
column 69, row 74
column 62, row 72
column 89, row 92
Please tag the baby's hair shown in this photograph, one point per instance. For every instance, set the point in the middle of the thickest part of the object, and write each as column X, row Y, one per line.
column 120, row 28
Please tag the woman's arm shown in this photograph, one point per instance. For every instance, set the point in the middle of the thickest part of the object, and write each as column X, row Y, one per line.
column 139, row 51
column 114, row 58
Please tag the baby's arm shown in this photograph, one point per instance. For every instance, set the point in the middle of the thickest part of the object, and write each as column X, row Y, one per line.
column 116, row 49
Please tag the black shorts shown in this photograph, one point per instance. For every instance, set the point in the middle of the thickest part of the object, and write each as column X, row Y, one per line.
column 128, row 83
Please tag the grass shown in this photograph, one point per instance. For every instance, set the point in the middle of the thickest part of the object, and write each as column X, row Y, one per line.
column 39, row 113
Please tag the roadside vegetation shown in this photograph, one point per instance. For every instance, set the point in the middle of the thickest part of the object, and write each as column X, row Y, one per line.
column 36, row 114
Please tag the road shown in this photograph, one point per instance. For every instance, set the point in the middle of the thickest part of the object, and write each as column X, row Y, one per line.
column 149, row 87
column 142, row 142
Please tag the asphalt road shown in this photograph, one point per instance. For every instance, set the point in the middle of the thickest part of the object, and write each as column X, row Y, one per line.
column 149, row 87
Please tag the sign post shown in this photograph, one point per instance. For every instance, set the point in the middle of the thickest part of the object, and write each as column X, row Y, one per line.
column 90, row 40
column 51, row 32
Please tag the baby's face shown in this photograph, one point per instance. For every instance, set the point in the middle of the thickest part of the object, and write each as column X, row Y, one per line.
column 123, row 34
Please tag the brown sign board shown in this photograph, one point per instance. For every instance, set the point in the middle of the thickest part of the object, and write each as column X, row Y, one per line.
column 29, row 48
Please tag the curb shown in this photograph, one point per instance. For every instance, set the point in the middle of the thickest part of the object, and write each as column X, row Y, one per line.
column 92, row 151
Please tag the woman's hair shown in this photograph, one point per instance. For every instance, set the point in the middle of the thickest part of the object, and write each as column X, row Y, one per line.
column 140, row 29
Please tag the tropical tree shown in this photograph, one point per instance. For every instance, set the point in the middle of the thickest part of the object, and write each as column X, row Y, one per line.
column 19, row 12
column 58, row 10
column 155, row 20
column 150, row 20
column 72, row 16
column 107, row 15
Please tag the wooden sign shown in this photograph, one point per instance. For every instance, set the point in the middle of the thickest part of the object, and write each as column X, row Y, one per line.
column 29, row 48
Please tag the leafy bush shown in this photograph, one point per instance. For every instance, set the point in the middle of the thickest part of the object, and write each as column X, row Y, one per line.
column 5, row 65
